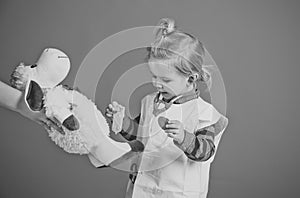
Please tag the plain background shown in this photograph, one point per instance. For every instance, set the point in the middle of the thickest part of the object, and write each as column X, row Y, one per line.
column 256, row 46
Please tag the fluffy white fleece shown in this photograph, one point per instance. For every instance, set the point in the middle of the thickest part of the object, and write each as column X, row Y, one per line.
column 58, row 102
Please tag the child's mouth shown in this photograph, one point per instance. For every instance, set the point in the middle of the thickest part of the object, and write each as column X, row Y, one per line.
column 166, row 95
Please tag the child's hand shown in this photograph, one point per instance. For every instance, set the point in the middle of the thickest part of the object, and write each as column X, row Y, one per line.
column 175, row 130
column 116, row 113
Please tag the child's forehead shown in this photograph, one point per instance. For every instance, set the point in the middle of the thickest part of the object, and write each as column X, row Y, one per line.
column 161, row 67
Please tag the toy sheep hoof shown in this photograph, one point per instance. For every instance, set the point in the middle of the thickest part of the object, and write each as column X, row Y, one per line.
column 71, row 123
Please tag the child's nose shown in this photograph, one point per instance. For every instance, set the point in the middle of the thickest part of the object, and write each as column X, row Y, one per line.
column 157, row 84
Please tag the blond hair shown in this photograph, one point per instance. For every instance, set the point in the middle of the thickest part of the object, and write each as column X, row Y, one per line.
column 178, row 49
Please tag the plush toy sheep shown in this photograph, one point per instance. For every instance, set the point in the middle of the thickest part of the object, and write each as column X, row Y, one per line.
column 84, row 129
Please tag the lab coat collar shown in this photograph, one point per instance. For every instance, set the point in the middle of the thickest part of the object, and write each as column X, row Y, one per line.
column 158, row 99
column 180, row 99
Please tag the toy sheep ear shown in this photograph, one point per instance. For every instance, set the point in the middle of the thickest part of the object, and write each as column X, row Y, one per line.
column 34, row 96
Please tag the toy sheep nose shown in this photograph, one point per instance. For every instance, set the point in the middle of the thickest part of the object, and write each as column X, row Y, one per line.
column 71, row 123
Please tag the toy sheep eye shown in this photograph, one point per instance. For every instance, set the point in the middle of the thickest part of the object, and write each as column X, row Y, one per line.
column 33, row 66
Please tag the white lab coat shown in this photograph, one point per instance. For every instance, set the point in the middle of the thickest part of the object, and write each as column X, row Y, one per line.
column 164, row 169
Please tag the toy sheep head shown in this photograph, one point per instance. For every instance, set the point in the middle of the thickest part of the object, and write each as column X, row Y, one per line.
column 51, row 68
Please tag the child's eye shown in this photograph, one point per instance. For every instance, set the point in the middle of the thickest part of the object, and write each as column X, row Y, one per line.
column 166, row 81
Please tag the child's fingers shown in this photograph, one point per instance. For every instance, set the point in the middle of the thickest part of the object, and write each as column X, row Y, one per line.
column 113, row 108
column 171, row 126
column 170, row 131
column 171, row 135
column 110, row 107
column 110, row 110
column 173, row 122
column 108, row 114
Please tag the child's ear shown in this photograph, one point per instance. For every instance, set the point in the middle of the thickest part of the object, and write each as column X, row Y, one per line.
column 34, row 96
column 193, row 78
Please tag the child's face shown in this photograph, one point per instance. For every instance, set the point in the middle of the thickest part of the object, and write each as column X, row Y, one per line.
column 167, row 80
